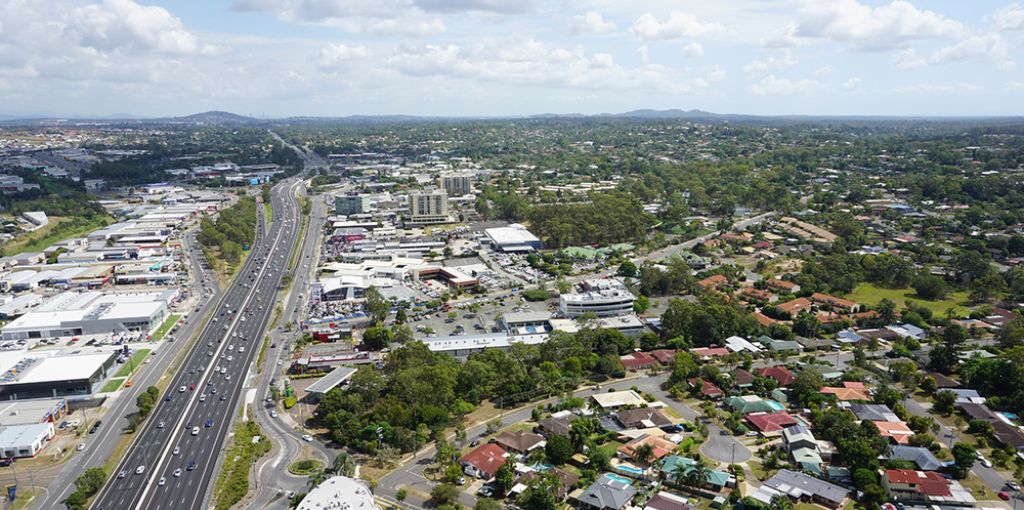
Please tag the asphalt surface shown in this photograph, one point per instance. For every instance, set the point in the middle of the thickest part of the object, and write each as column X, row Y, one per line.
column 188, row 427
column 100, row 446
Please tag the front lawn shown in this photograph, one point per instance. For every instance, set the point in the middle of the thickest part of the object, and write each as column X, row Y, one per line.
column 164, row 328
column 132, row 364
column 870, row 294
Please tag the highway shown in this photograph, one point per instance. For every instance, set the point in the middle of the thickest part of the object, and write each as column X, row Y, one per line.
column 100, row 446
column 173, row 461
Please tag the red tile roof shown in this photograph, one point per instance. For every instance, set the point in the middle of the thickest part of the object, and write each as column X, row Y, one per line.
column 710, row 352
column 486, row 458
column 795, row 306
column 782, row 375
column 665, row 356
column 928, row 483
column 637, row 360
column 773, row 422
column 763, row 319
column 834, row 301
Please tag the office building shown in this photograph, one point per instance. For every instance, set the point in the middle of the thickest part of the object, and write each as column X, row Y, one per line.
column 350, row 204
column 428, row 207
column 456, row 185
column 605, row 298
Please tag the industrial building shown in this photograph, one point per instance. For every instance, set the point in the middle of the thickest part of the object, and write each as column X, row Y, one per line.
column 24, row 441
column 339, row 492
column 513, row 238
column 91, row 313
column 28, row 377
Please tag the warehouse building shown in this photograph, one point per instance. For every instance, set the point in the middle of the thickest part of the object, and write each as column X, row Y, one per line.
column 23, row 377
column 91, row 313
column 513, row 238
column 24, row 441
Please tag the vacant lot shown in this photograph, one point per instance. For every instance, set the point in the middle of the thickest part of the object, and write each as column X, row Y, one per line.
column 869, row 294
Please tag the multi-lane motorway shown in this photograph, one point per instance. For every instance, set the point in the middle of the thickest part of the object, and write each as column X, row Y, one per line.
column 173, row 462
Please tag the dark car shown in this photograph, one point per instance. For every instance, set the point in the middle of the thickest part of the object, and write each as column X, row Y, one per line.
column 209, row 423
column 95, row 427
column 191, row 465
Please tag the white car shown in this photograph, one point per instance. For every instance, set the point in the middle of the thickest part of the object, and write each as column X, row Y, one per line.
column 307, row 438
column 80, row 447
column 139, row 470
column 195, row 431
column 177, row 450
column 163, row 481
column 181, row 389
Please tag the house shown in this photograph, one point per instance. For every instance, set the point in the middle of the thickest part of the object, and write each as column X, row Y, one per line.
column 771, row 424
column 924, row 487
column 782, row 285
column 782, row 375
column 794, row 307
column 741, row 378
column 907, row 331
column 1006, row 432
column 747, row 404
column 781, row 345
column 740, row 344
column 919, row 455
column 706, row 353
column 713, row 479
column 873, row 412
column 848, row 391
column 666, row 357
column 642, row 418
column 566, row 481
column 837, row 303
column 897, row 432
column 943, row 381
column 606, row 493
column 803, row 448
column 763, row 319
column 801, row 488
column 707, row 388
column 616, row 399
column 667, row 501
column 848, row 336
column 557, row 424
column 755, row 295
column 637, row 360
column 967, row 396
column 660, row 447
column 714, row 282
column 520, row 441
column 483, row 461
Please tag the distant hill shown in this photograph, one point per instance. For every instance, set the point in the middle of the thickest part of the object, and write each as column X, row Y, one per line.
column 214, row 117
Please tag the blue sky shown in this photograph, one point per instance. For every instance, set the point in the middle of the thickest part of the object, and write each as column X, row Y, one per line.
column 511, row 57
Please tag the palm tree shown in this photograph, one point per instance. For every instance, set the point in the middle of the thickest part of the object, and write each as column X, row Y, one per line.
column 643, row 453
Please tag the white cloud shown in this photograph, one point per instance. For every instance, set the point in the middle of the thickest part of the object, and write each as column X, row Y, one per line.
column 785, row 38
column 1010, row 17
column 645, row 54
column 1015, row 86
column 334, row 57
column 693, row 50
column 590, row 23
column 909, row 59
column 679, row 25
column 771, row 64
column 124, row 24
column 824, row 70
column 933, row 88
column 495, row 6
column 887, row 26
column 386, row 17
column 852, row 85
column 986, row 46
column 772, row 86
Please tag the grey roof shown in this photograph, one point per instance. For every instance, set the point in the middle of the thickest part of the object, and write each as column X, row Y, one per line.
column 920, row 456
column 332, row 379
column 874, row 412
column 797, row 484
column 783, row 345
column 607, row 493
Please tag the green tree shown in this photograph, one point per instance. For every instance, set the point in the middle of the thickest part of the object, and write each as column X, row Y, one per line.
column 963, row 459
column 944, row 401
column 627, row 269
column 376, row 306
column 444, row 494
column 505, row 478
column 377, row 338
column 558, row 449
column 930, row 287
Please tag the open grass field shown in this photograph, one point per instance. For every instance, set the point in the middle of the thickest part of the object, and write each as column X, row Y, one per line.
column 55, row 230
column 869, row 294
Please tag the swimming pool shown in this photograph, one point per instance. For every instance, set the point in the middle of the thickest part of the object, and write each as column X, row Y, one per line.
column 618, row 478
column 630, row 469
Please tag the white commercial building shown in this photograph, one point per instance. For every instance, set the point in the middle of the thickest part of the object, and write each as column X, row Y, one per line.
column 339, row 493
column 20, row 441
column 605, row 298
column 464, row 345
column 428, row 207
column 513, row 238
column 91, row 313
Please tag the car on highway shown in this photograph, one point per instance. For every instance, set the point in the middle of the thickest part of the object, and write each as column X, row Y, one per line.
column 95, row 427
column 223, row 398
column 202, row 398
column 177, row 450
column 987, row 463
column 177, row 472
column 141, row 469
column 273, row 414
column 209, row 423
column 307, row 438
column 195, row 431
column 181, row 389
column 1003, row 495
column 122, row 474
column 160, row 425
column 163, row 481
column 80, row 447
column 191, row 465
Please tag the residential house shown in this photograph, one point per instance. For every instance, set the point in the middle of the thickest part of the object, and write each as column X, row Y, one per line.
column 755, row 295
column 483, row 461
column 741, row 378
column 637, row 360
column 1006, row 432
column 520, row 441
column 801, row 488
column 617, row 399
column 642, row 418
column 873, row 412
column 707, row 353
column 967, row 396
column 747, row 404
column 896, row 431
column 794, row 307
column 781, row 374
column 803, row 448
column 660, row 447
column 849, row 336
column 666, row 357
column 740, row 344
column 557, row 424
column 566, row 481
column 763, row 319
column 771, row 424
column 781, row 345
column 784, row 286
column 714, row 282
column 907, row 331
column 924, row 487
column 919, row 455
column 848, row 391
column 714, row 480
column 667, row 501
column 837, row 303
column 707, row 388
column 606, row 493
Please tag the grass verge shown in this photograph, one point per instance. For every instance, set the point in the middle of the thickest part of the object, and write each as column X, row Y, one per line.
column 268, row 212
column 113, row 385
column 263, row 354
column 132, row 364
column 58, row 229
column 164, row 328
column 233, row 482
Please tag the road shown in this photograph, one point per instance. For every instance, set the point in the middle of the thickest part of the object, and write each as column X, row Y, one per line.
column 272, row 473
column 100, row 446
column 174, row 458
column 410, row 476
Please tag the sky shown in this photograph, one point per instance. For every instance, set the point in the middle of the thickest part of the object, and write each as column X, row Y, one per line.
column 279, row 58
